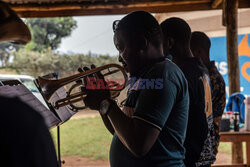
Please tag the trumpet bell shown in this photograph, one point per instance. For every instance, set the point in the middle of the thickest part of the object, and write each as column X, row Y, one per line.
column 114, row 79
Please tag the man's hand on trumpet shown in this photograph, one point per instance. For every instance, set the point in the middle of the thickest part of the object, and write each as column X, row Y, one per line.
column 95, row 88
column 95, row 97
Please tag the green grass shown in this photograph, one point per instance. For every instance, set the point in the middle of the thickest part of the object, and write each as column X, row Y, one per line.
column 86, row 137
column 225, row 147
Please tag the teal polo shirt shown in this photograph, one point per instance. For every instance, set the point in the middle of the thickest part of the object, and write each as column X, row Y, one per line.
column 164, row 106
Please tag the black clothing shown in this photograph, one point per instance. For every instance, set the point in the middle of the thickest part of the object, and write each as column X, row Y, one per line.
column 25, row 140
column 197, row 129
column 218, row 98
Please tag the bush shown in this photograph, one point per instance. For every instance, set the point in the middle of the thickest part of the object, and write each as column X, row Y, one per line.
column 41, row 63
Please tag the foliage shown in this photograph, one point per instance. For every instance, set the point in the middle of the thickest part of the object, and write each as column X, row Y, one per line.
column 5, row 49
column 48, row 32
column 41, row 63
column 86, row 137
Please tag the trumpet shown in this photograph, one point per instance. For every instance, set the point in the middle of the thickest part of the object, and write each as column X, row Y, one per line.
column 48, row 87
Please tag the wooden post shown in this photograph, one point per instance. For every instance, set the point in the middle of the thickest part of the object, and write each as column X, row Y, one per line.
column 248, row 153
column 231, row 20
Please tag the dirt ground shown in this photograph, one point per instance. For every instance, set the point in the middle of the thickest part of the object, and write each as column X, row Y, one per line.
column 77, row 161
column 85, row 114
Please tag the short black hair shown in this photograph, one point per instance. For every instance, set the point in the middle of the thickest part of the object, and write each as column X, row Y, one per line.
column 176, row 28
column 141, row 23
column 200, row 40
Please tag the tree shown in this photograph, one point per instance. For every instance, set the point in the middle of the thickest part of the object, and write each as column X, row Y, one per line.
column 48, row 32
column 5, row 49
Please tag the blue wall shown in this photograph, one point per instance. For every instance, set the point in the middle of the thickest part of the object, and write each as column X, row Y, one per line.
column 218, row 53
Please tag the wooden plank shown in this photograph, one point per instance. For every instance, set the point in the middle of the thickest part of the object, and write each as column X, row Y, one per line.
column 235, row 138
column 237, row 152
column 101, row 5
column 248, row 153
column 229, row 165
column 231, row 12
column 242, row 131
column 216, row 3
column 109, row 8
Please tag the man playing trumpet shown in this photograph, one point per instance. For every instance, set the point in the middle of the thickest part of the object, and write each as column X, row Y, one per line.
column 150, row 130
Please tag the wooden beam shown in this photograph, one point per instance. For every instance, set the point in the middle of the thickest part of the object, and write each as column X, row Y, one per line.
column 80, row 9
column 232, row 45
column 110, row 8
column 101, row 5
column 248, row 153
column 216, row 3
column 227, row 165
column 235, row 137
column 231, row 12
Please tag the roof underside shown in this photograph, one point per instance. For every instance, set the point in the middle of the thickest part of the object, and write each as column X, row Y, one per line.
column 55, row 8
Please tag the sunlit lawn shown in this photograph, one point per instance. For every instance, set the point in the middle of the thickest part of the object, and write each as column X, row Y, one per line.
column 89, row 138
column 225, row 147
column 85, row 137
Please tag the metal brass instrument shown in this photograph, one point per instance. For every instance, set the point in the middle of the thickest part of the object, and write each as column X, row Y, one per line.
column 48, row 87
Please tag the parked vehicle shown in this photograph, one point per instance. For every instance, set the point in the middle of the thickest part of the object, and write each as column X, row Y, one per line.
column 27, row 81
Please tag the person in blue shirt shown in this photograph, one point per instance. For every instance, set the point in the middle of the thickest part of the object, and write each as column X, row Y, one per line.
column 149, row 131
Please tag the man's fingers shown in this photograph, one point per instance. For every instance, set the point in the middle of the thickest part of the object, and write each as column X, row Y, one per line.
column 89, row 79
column 96, row 74
column 90, row 101
column 80, row 69
column 84, row 78
column 86, row 68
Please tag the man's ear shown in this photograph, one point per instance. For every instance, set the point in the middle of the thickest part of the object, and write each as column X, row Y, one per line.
column 170, row 42
column 196, row 52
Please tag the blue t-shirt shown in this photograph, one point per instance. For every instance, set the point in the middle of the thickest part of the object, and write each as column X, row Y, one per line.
column 164, row 105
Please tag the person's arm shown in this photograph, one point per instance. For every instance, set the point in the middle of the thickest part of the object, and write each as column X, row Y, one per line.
column 218, row 94
column 137, row 135
column 107, row 124
column 139, row 132
column 97, row 98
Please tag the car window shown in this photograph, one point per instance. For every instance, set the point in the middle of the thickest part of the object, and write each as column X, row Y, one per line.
column 29, row 84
